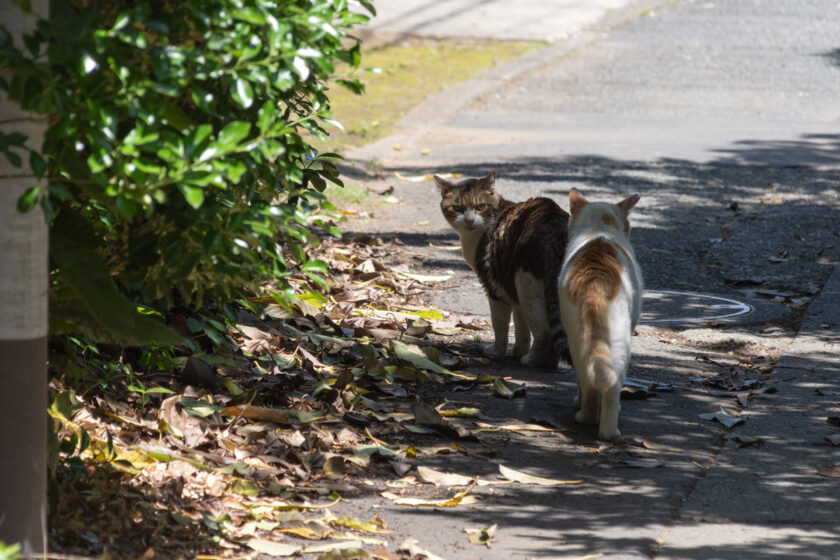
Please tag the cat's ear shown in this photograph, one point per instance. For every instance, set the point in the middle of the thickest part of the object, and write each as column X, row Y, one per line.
column 488, row 183
column 628, row 203
column 576, row 201
column 442, row 184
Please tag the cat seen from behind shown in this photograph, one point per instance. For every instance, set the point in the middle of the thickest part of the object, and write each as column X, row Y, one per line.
column 516, row 249
column 600, row 303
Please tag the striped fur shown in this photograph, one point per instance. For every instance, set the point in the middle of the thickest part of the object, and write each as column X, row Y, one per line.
column 600, row 301
column 517, row 250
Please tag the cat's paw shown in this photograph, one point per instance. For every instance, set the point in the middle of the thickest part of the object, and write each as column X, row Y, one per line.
column 520, row 348
column 494, row 350
column 586, row 417
column 533, row 359
column 565, row 354
column 613, row 435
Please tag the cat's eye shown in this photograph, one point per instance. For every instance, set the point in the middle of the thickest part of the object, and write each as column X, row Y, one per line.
column 482, row 207
column 458, row 208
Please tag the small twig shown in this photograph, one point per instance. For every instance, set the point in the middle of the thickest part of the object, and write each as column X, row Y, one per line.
column 711, row 361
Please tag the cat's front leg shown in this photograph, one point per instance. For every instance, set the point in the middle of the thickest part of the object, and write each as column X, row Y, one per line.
column 521, row 333
column 500, row 317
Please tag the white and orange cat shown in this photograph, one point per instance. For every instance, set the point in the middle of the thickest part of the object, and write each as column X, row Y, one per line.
column 600, row 303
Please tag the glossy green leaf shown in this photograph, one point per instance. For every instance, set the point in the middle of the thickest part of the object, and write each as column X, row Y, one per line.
column 193, row 195
column 243, row 93
column 315, row 266
column 37, row 164
column 199, row 409
column 231, row 135
column 266, row 116
column 28, row 200
column 151, row 144
column 250, row 15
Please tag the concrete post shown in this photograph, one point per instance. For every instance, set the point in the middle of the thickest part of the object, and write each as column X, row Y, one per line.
column 23, row 328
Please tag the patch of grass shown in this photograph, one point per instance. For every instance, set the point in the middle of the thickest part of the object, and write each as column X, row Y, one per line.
column 348, row 194
column 408, row 73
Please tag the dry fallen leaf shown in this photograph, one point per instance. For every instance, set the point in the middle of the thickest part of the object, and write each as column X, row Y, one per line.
column 333, row 546
column 272, row 548
column 376, row 526
column 482, row 536
column 642, row 463
column 723, row 417
column 829, row 471
column 745, row 441
column 834, row 439
column 517, row 427
column 345, row 554
column 655, row 446
column 415, row 552
column 442, row 479
column 458, row 499
column 380, row 553
column 413, row 355
column 524, row 478
column 334, row 467
column 507, row 389
column 180, row 423
column 271, row 415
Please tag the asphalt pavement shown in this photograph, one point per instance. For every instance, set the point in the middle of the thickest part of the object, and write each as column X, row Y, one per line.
column 724, row 116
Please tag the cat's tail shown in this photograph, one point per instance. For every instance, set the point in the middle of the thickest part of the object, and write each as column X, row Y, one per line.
column 559, row 341
column 596, row 348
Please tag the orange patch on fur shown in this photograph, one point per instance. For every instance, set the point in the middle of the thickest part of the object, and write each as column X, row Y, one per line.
column 593, row 281
column 602, row 352
column 626, row 253
column 596, row 269
column 610, row 220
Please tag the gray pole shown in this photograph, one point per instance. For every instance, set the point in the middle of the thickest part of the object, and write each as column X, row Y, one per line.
column 23, row 328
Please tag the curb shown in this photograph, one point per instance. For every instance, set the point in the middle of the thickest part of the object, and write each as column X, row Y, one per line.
column 762, row 497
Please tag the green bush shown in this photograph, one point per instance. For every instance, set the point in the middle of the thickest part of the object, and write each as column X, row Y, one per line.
column 178, row 165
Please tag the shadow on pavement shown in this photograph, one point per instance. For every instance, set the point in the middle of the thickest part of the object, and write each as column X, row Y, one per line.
column 730, row 228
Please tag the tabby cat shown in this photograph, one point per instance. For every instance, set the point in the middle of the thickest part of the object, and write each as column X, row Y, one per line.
column 516, row 249
column 600, row 302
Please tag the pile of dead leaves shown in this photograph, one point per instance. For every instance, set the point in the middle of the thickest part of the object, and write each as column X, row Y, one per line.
column 243, row 453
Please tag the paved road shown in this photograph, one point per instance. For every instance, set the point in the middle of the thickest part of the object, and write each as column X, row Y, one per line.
column 498, row 19
column 724, row 116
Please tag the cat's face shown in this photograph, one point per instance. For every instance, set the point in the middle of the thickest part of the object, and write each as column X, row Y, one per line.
column 470, row 204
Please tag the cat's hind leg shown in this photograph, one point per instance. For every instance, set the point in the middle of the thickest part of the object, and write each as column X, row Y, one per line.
column 610, row 407
column 522, row 333
column 500, row 318
column 588, row 400
column 531, row 294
